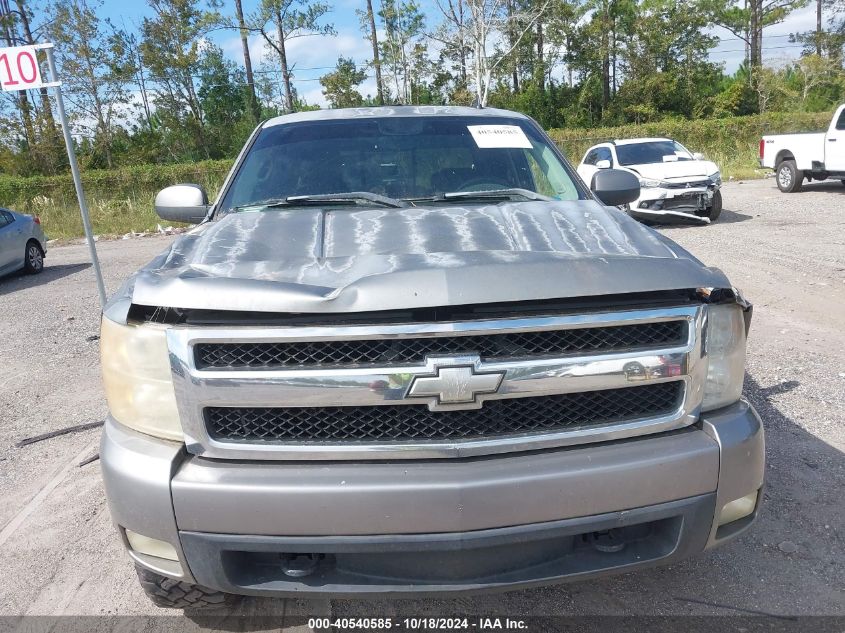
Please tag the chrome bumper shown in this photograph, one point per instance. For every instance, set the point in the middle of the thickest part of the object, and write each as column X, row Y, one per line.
column 228, row 519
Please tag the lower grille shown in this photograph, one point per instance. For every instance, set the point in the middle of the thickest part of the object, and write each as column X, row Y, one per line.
column 416, row 422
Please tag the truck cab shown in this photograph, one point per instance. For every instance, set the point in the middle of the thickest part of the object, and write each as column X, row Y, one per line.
column 799, row 157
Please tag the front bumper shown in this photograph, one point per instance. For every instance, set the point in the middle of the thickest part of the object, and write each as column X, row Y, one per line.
column 425, row 527
column 667, row 206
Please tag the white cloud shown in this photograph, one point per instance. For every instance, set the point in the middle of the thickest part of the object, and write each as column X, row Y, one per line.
column 309, row 57
column 323, row 50
column 233, row 49
column 314, row 96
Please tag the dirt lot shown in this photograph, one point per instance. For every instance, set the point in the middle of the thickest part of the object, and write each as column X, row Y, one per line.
column 60, row 555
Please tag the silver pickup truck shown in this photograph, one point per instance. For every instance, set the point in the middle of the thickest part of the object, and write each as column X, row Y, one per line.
column 408, row 351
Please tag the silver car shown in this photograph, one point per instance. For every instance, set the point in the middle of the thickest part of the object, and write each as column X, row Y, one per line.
column 22, row 243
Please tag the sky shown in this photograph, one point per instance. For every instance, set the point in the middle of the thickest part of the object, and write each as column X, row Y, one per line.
column 314, row 56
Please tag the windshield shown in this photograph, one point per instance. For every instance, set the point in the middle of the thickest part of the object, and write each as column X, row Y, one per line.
column 651, row 152
column 400, row 158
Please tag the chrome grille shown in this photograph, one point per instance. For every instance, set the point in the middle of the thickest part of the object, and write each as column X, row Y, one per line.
column 414, row 422
column 387, row 351
column 412, row 390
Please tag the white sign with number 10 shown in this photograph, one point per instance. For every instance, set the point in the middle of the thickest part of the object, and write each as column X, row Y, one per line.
column 19, row 68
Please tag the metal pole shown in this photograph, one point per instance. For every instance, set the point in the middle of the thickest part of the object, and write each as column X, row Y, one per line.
column 77, row 180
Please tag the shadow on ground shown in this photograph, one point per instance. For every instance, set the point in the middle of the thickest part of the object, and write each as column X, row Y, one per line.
column 833, row 186
column 730, row 217
column 726, row 217
column 20, row 280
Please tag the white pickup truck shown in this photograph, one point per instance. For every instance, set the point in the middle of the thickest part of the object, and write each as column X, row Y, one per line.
column 796, row 157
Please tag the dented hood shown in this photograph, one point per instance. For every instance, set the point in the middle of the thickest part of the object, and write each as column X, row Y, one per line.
column 681, row 169
column 353, row 260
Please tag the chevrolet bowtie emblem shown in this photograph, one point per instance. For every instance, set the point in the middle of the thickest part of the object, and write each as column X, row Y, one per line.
column 455, row 383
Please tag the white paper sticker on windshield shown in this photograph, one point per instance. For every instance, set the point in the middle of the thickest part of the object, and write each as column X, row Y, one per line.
column 488, row 136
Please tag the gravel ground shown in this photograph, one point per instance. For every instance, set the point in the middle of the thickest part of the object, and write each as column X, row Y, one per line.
column 60, row 555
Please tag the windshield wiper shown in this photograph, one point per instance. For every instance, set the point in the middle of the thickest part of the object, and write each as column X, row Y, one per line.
column 494, row 194
column 350, row 197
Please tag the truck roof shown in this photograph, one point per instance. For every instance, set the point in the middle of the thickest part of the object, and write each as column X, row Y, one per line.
column 390, row 111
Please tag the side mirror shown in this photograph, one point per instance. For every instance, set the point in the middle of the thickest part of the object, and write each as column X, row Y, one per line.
column 603, row 164
column 698, row 156
column 615, row 187
column 182, row 203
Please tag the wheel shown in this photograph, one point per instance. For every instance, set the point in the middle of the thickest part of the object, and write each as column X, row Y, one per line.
column 174, row 594
column 33, row 261
column 789, row 177
column 715, row 209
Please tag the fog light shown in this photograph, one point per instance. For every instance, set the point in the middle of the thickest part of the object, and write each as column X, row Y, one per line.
column 738, row 509
column 151, row 546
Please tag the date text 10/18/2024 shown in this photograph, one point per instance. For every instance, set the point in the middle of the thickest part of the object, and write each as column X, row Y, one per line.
column 418, row 624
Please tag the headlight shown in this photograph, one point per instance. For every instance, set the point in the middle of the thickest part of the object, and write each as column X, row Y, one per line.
column 648, row 183
column 716, row 178
column 136, row 375
column 724, row 345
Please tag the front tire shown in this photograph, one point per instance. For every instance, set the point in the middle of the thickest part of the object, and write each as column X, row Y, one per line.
column 789, row 177
column 715, row 209
column 33, row 262
column 174, row 594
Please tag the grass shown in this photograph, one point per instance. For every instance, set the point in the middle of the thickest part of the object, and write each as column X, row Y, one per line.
column 121, row 200
column 109, row 217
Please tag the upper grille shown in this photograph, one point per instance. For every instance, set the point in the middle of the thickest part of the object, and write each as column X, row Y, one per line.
column 414, row 350
column 683, row 185
column 416, row 422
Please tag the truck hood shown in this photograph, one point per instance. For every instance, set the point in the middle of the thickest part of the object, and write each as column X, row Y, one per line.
column 351, row 260
column 680, row 169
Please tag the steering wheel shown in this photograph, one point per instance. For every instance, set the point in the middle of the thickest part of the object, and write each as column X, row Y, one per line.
column 482, row 184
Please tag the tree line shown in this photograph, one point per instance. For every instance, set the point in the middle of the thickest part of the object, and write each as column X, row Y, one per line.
column 161, row 91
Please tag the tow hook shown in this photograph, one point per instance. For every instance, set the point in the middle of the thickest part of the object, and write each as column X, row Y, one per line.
column 300, row 565
column 606, row 541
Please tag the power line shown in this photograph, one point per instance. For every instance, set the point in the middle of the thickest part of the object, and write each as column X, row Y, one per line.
column 765, row 48
column 769, row 37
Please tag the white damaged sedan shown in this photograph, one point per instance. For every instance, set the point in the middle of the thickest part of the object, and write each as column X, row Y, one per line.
column 676, row 186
